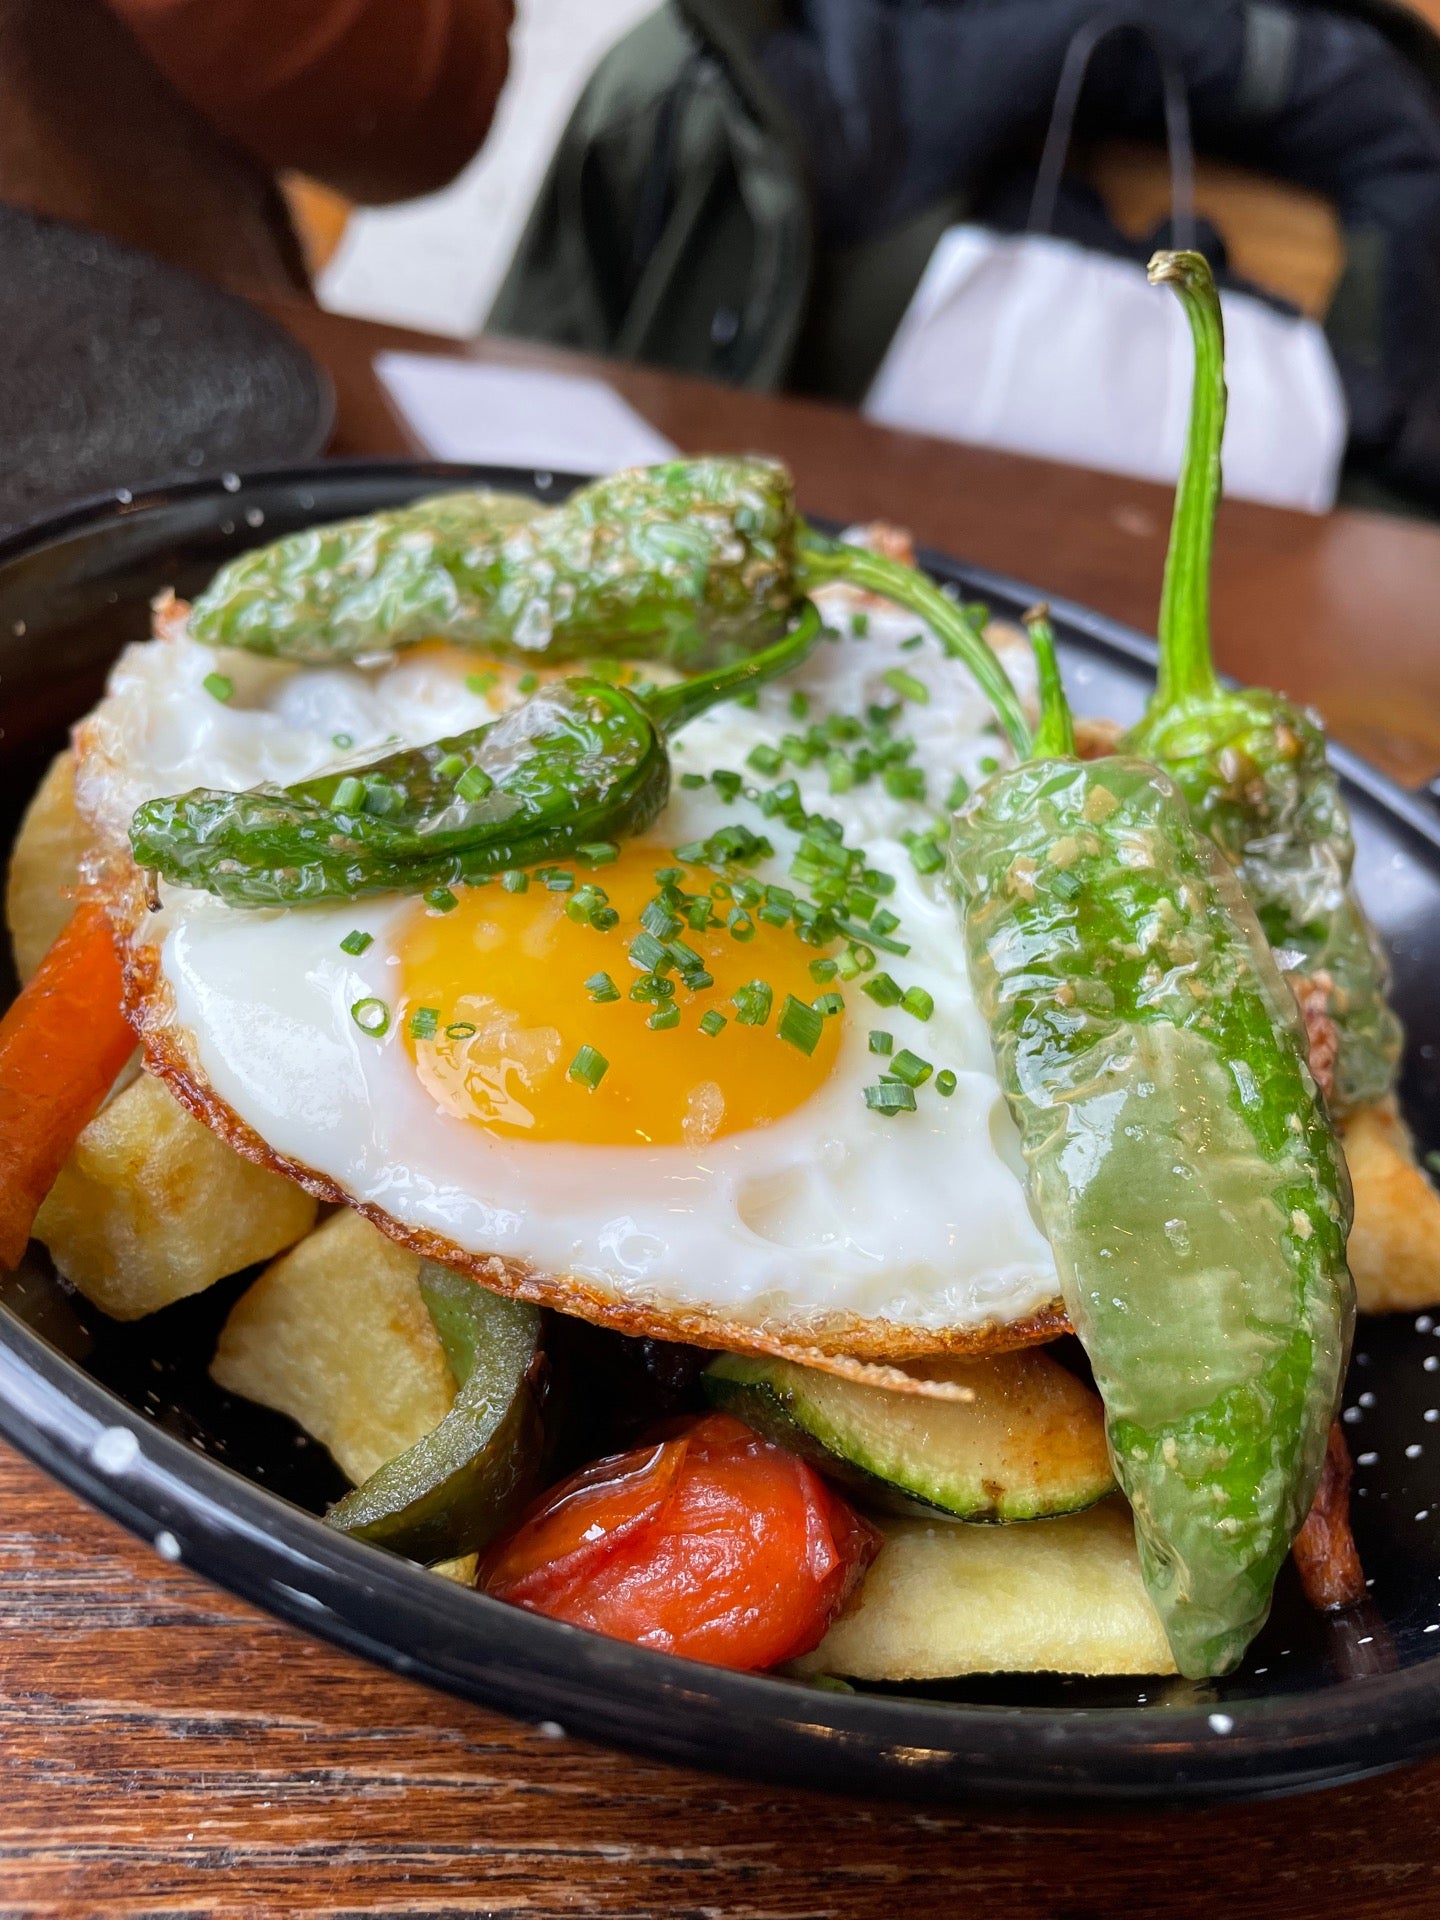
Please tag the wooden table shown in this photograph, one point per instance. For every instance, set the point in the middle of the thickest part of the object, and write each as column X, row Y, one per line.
column 168, row 1750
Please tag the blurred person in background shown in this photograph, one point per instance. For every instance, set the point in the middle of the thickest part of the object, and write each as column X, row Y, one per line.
column 165, row 122
column 753, row 189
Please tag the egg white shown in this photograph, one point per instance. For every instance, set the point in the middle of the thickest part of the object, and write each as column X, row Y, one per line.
column 834, row 1226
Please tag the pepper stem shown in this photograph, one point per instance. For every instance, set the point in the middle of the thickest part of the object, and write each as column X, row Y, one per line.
column 674, row 706
column 1055, row 736
column 1187, row 669
column 821, row 560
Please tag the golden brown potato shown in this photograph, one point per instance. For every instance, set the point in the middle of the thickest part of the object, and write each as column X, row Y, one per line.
column 152, row 1206
column 1395, row 1241
column 337, row 1335
column 1042, row 1596
column 44, row 864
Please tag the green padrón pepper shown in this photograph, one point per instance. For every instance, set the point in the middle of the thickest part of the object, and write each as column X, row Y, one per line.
column 686, row 563
column 1252, row 764
column 580, row 762
column 455, row 1489
column 1180, row 1159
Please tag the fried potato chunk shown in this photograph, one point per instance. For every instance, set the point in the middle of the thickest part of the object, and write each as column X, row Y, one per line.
column 1042, row 1596
column 337, row 1335
column 152, row 1206
column 1395, row 1241
column 44, row 866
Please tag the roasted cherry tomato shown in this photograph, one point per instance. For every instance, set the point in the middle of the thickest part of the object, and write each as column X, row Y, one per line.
column 713, row 1543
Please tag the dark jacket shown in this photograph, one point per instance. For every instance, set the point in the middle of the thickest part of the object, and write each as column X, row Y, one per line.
column 750, row 189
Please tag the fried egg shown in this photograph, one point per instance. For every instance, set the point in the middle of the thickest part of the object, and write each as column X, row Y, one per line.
column 714, row 1181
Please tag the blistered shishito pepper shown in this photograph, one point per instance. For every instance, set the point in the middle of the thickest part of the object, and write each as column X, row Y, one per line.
column 581, row 761
column 687, row 563
column 1180, row 1158
column 1251, row 763
column 462, row 1484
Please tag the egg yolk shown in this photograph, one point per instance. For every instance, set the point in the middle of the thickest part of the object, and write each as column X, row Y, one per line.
column 495, row 1008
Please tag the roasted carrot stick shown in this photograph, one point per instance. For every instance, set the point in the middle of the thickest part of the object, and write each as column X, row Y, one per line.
column 1325, row 1556
column 61, row 1045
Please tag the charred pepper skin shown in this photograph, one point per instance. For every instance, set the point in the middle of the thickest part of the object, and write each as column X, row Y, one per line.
column 1253, row 765
column 672, row 563
column 581, row 761
column 1181, row 1161
column 691, row 563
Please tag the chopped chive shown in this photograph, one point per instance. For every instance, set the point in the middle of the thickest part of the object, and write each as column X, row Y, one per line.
column 945, row 1082
column 381, row 799
column 880, row 1041
column 907, row 686
column 604, row 918
column 515, row 880
column 664, row 1017
column 424, row 1023
column 343, row 741
column 474, row 783
column 712, row 1023
column 873, row 939
column 460, row 1030
column 890, row 1097
column 699, row 914
column 451, row 767
column 860, row 905
column 372, row 1016
column 959, row 793
column 441, row 899
column 647, row 953
column 527, row 683
column 481, row 682
column 827, row 1004
column 583, row 906
column 764, row 759
column 915, row 640
column 722, row 890
column 741, row 926
column 692, row 780
column 884, row 922
column 800, row 1025
column 926, row 853
column 822, row 971
column 917, row 1001
column 859, row 625
column 753, row 1002
column 219, row 686
column 601, row 988
column 349, row 794
column 726, row 783
column 655, row 919
column 840, row 771
column 588, row 1068
column 774, row 915
column 905, row 783
column 357, row 941
column 877, row 882
column 910, row 1068
column 649, row 989
column 854, row 961
column 598, row 853
column 989, row 764
column 799, row 704
column 558, row 881
column 883, row 990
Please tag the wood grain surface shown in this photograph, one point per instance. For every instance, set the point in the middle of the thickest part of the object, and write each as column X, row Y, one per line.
column 168, row 1750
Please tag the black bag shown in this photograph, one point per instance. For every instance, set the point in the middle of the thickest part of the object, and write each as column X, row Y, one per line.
column 750, row 189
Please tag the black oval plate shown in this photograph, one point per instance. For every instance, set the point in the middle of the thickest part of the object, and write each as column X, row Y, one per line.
column 128, row 1418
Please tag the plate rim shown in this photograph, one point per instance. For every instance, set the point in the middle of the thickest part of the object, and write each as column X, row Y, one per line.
column 241, row 1536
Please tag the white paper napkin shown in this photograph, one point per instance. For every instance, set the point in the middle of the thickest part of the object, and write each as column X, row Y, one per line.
column 518, row 416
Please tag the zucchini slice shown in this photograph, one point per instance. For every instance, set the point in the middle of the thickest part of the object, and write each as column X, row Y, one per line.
column 1031, row 1442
